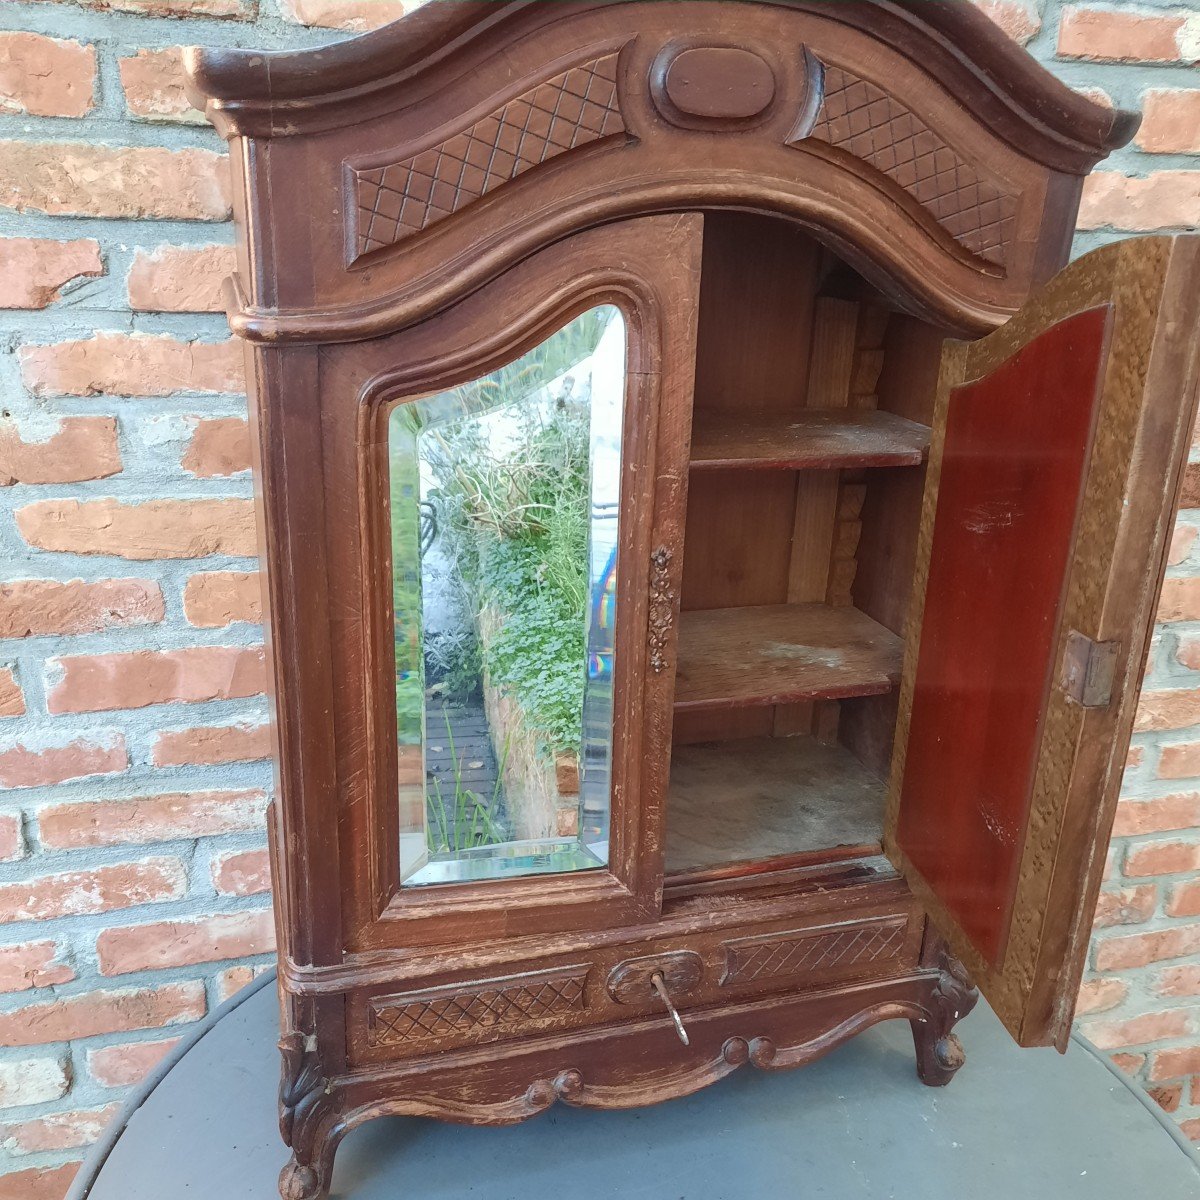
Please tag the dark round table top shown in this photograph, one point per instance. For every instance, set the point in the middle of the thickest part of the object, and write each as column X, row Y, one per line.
column 857, row 1125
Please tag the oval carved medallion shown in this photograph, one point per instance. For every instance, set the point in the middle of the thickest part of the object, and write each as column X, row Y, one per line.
column 719, row 82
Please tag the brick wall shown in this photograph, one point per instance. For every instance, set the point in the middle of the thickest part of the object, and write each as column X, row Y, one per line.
column 133, row 882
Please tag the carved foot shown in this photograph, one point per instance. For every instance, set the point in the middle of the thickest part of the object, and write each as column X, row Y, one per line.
column 306, row 1121
column 939, row 1052
column 300, row 1182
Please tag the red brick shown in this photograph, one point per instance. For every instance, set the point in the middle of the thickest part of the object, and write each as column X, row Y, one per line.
column 1180, row 600
column 242, row 873
column 102, row 682
column 1175, row 1062
column 1020, row 19
column 45, row 607
column 1168, row 1096
column 33, row 271
column 32, row 965
column 150, row 819
column 1150, row 1027
column 46, row 77
column 125, row 1065
column 209, row 745
column 22, row 766
column 1135, row 757
column 1160, row 200
column 1170, row 121
column 155, row 529
column 220, row 598
column 1182, row 540
column 1180, row 811
column 1179, row 981
column 180, row 278
column 81, row 448
column 25, row 1081
column 233, row 979
column 219, row 447
column 1184, row 900
column 12, row 840
column 1100, row 995
column 56, row 1131
column 166, row 944
column 132, row 364
column 1162, row 858
column 1141, row 949
column 101, row 889
column 90, row 180
column 1179, row 761
column 1188, row 653
column 1131, row 1064
column 69, row 1018
column 355, row 15
column 153, row 84
column 240, row 10
column 40, row 1183
column 1189, row 494
column 1119, row 36
column 1176, row 709
column 1191, row 1129
column 1126, row 906
column 12, row 699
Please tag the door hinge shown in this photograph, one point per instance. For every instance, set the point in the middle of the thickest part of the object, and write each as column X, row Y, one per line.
column 1089, row 668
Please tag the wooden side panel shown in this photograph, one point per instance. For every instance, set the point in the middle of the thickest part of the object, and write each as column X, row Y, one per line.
column 1003, row 784
column 1011, row 480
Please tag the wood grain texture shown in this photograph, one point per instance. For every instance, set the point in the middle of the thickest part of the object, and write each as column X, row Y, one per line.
column 344, row 324
column 755, row 799
column 807, row 440
column 323, row 135
column 779, row 653
column 1116, row 558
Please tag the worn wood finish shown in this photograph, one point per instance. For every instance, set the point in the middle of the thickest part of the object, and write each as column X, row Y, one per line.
column 779, row 653
column 807, row 440
column 955, row 201
column 423, row 204
column 648, row 269
column 755, row 799
column 1115, row 555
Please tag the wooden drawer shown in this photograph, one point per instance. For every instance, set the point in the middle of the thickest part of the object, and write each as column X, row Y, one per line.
column 610, row 984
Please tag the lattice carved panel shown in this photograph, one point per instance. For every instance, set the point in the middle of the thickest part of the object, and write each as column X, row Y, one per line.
column 573, row 109
column 861, row 119
column 519, row 999
column 809, row 951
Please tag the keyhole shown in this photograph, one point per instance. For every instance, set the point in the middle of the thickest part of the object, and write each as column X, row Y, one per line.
column 660, row 989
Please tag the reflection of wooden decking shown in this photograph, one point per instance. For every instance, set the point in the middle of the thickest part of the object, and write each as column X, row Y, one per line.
column 464, row 726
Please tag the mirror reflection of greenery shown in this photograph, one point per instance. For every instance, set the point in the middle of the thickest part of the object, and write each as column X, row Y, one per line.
column 512, row 519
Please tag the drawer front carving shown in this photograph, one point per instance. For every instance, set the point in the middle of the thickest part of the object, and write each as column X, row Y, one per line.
column 862, row 119
column 809, row 951
column 438, row 1012
column 612, row 983
column 399, row 199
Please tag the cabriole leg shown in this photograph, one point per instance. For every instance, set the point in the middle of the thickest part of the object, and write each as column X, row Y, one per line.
column 939, row 1052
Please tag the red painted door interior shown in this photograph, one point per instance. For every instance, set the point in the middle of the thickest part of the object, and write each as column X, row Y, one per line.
column 1057, row 448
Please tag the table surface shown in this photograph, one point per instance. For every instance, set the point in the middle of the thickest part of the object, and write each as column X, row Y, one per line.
column 857, row 1125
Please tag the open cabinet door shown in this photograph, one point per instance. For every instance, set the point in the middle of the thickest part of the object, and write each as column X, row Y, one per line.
column 1058, row 449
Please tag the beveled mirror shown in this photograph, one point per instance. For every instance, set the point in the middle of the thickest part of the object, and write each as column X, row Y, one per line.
column 504, row 509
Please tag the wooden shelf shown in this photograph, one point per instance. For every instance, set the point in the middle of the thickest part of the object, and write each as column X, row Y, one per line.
column 779, row 654
column 815, row 439
column 761, row 798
